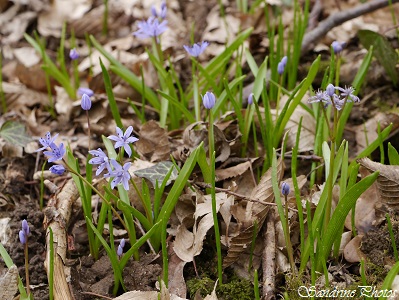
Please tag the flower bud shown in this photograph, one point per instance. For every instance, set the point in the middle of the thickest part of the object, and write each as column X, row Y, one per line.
column 87, row 91
column 25, row 227
column 285, row 188
column 209, row 100
column 251, row 98
column 330, row 90
column 86, row 102
column 73, row 54
column 22, row 237
column 338, row 46
column 57, row 169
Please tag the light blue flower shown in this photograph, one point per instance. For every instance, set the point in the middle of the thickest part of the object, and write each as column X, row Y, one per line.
column 124, row 139
column 57, row 169
column 196, row 49
column 56, row 153
column 120, row 174
column 209, row 100
column 85, row 103
column 150, row 28
column 101, row 159
column 46, row 141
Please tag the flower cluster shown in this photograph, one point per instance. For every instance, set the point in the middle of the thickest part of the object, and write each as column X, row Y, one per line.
column 196, row 49
column 24, row 232
column 54, row 154
column 329, row 96
column 119, row 173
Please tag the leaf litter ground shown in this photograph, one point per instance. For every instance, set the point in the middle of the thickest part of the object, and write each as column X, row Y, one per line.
column 19, row 194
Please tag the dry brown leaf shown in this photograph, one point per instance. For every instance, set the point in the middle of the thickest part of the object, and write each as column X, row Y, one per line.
column 352, row 252
column 365, row 208
column 51, row 20
column 9, row 283
column 138, row 295
column 189, row 244
column 222, row 174
column 14, row 28
column 254, row 212
column 154, row 143
column 177, row 284
column 387, row 182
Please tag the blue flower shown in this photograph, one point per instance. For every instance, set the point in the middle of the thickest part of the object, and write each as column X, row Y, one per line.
column 120, row 174
column 23, row 234
column 101, row 159
column 121, row 245
column 320, row 96
column 85, row 103
column 47, row 141
column 150, row 28
column 162, row 14
column 57, row 169
column 124, row 139
column 330, row 90
column 285, row 189
column 73, row 54
column 87, row 91
column 347, row 92
column 209, row 100
column 281, row 65
column 56, row 152
column 338, row 47
column 196, row 49
column 251, row 98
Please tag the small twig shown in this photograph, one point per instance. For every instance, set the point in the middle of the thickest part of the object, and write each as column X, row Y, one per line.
column 138, row 224
column 338, row 18
column 240, row 196
column 96, row 295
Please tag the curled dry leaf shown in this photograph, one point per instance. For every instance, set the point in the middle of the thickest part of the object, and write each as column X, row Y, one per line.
column 387, row 182
column 154, row 143
column 352, row 252
column 196, row 133
column 254, row 212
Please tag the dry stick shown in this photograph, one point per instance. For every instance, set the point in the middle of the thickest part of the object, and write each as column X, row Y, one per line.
column 338, row 18
column 269, row 258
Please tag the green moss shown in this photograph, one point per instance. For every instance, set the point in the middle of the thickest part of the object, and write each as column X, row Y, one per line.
column 237, row 288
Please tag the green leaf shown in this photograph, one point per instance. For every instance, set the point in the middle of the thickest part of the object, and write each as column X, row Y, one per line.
column 387, row 284
column 393, row 155
column 383, row 51
column 14, row 133
column 158, row 172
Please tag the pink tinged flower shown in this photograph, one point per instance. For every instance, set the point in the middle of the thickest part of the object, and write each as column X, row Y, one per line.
column 87, row 91
column 209, row 100
column 57, row 169
column 150, row 28
column 196, row 49
column 120, row 174
column 338, row 46
column 100, row 159
column 124, row 139
column 46, row 141
column 85, row 102
column 73, row 54
column 56, row 153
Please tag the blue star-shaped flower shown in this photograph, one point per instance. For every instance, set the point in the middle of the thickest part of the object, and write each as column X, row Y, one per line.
column 196, row 49
column 120, row 174
column 56, row 153
column 47, row 141
column 150, row 28
column 124, row 139
column 101, row 159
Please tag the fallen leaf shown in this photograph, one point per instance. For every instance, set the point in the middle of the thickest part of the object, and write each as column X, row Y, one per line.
column 387, row 181
column 255, row 212
column 352, row 252
column 158, row 172
column 154, row 143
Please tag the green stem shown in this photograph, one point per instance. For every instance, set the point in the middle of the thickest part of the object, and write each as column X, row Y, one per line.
column 288, row 237
column 27, row 266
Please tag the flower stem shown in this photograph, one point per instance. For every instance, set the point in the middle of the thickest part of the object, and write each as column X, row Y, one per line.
column 27, row 266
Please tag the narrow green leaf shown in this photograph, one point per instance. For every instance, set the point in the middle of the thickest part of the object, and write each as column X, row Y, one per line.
column 393, row 155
